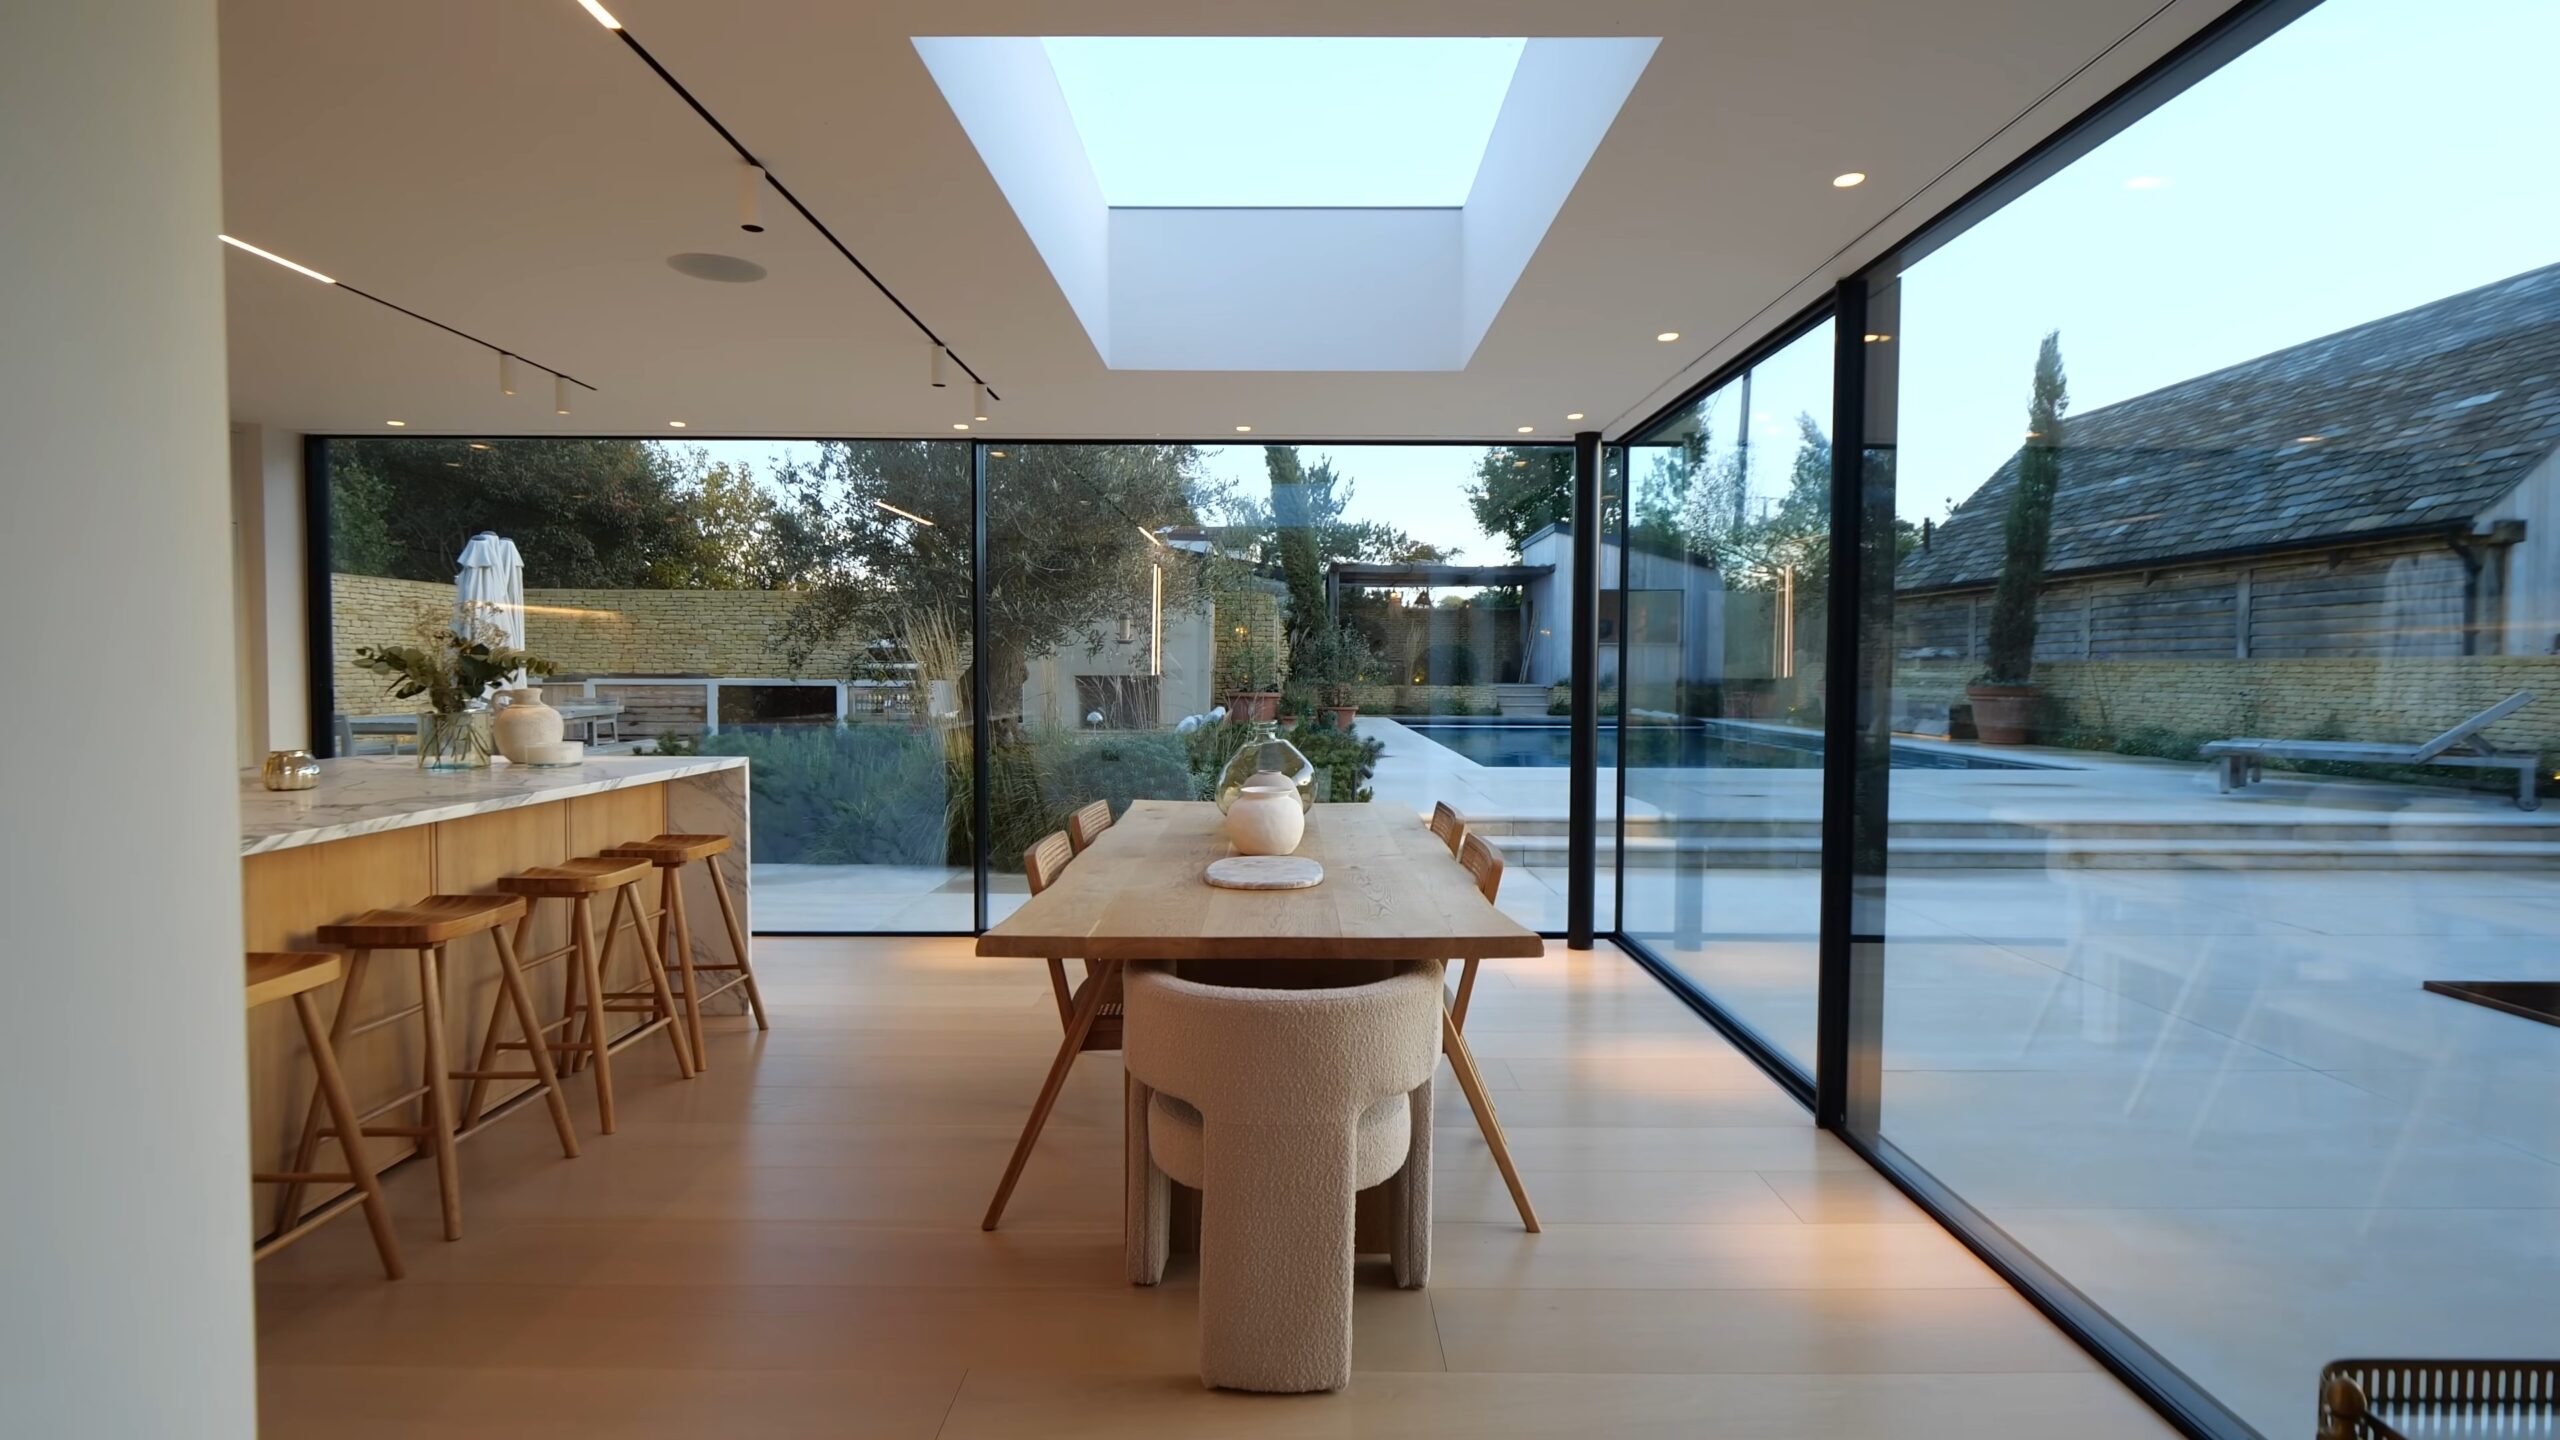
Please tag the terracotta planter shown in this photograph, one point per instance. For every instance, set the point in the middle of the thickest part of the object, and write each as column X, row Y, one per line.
column 2004, row 714
column 1252, row 705
column 1342, row 715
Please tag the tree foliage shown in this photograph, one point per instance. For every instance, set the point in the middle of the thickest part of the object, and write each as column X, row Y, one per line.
column 1521, row 489
column 887, row 548
column 2027, row 530
column 620, row 514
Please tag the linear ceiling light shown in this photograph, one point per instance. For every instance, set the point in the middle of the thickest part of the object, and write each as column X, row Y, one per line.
column 908, row 514
column 506, row 371
column 751, row 199
column 759, row 177
column 280, row 260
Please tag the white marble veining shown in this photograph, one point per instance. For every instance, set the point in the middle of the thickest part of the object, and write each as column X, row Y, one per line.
column 367, row 795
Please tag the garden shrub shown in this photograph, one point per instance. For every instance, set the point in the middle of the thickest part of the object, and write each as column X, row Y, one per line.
column 844, row 795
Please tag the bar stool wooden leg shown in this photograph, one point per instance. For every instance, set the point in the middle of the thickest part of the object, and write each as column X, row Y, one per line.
column 537, row 1043
column 289, row 1204
column 588, row 971
column 342, row 1113
column 489, row 1041
column 438, row 1103
column 737, row 938
column 628, row 897
column 680, row 938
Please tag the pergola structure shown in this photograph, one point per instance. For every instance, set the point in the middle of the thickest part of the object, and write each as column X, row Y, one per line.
column 1437, row 577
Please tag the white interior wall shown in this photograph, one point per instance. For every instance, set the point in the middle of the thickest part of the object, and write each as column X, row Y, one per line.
column 124, row 1259
column 1284, row 290
column 268, row 599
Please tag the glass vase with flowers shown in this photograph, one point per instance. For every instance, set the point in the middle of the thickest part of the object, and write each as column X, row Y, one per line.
column 452, row 667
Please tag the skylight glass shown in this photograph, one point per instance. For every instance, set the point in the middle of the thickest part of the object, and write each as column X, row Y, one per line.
column 1232, row 121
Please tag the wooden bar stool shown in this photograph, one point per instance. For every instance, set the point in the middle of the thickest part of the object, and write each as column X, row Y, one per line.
column 585, row 1001
column 671, row 853
column 296, row 977
column 427, row 927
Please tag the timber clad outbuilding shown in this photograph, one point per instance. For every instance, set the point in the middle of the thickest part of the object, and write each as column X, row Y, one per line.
column 2389, row 490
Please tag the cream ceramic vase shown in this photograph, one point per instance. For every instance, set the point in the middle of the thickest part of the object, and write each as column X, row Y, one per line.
column 1266, row 818
column 525, row 724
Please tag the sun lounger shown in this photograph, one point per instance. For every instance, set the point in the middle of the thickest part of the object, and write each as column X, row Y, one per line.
column 2236, row 762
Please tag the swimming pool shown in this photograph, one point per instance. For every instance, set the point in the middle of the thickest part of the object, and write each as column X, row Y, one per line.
column 1696, row 745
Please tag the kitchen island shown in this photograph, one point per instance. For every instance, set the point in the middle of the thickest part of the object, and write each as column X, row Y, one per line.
column 380, row 832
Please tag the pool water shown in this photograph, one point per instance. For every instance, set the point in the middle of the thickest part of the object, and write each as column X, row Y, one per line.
column 1698, row 745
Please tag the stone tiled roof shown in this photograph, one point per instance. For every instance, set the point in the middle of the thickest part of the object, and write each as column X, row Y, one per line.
column 2424, row 419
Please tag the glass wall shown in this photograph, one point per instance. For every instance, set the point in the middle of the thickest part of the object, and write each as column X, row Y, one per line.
column 804, row 605
column 2226, row 462
column 1725, row 569
column 1149, row 604
column 1397, row 611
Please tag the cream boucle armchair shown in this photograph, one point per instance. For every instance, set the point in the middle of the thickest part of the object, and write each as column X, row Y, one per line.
column 1279, row 1106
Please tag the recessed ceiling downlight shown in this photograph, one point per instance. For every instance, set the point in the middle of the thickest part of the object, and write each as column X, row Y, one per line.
column 1849, row 180
column 727, row 269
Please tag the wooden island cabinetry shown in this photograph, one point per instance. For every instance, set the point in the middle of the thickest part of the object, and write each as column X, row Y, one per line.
column 382, row 833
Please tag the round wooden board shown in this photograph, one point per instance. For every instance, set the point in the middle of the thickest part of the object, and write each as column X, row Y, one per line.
column 1265, row 872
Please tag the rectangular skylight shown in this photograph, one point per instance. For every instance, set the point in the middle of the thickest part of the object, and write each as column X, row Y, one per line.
column 1239, row 121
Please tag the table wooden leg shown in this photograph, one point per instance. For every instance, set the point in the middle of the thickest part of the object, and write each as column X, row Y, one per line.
column 1088, row 1005
column 1463, row 1062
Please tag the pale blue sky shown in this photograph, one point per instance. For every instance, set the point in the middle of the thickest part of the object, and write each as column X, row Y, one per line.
column 2373, row 156
column 1258, row 120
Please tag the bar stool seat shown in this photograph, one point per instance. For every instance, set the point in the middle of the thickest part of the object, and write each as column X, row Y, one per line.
column 586, row 875
column 672, row 849
column 671, row 853
column 432, row 921
column 427, row 927
column 585, row 1001
column 297, row 976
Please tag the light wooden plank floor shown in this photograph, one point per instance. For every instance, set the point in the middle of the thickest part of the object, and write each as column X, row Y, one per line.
column 789, row 1247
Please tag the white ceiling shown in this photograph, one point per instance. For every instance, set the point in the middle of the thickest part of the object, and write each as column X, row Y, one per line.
column 510, row 168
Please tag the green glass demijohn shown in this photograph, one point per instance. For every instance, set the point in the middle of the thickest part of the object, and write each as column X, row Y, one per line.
column 1265, row 751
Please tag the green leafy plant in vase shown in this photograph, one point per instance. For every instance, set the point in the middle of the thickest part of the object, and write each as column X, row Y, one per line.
column 452, row 667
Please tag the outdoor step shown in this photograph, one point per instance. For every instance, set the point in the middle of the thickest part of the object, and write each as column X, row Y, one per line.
column 1546, row 852
column 2525, row 830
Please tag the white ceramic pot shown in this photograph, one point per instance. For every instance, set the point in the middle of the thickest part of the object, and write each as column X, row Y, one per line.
column 1266, row 818
column 525, row 724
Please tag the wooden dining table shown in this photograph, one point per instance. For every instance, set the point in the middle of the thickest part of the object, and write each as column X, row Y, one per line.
column 1391, row 891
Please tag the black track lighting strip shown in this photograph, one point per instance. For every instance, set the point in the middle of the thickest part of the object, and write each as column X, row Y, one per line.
column 464, row 334
column 750, row 157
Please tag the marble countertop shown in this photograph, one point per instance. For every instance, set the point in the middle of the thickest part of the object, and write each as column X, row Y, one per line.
column 367, row 795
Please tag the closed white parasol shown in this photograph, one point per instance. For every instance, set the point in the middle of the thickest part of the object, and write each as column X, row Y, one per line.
column 490, row 589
